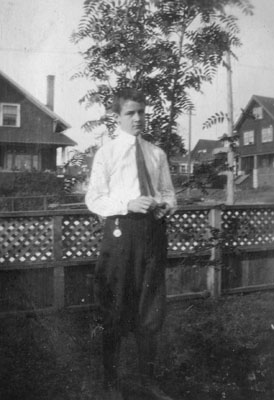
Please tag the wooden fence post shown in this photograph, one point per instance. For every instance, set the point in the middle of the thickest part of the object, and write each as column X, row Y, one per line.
column 245, row 272
column 58, row 272
column 214, row 269
column 45, row 203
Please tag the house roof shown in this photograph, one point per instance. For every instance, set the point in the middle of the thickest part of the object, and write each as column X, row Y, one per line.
column 203, row 151
column 53, row 138
column 266, row 102
column 61, row 124
column 179, row 159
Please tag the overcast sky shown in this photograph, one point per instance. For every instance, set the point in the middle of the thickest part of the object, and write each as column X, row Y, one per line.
column 34, row 43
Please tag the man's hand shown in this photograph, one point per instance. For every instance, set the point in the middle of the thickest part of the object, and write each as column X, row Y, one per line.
column 142, row 204
column 161, row 210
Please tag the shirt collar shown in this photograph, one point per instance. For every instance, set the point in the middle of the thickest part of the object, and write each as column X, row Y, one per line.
column 124, row 136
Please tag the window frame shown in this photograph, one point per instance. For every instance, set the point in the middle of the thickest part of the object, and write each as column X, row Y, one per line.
column 257, row 112
column 267, row 132
column 11, row 154
column 18, row 115
column 244, row 139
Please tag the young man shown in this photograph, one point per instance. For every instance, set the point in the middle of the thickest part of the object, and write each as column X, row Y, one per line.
column 130, row 186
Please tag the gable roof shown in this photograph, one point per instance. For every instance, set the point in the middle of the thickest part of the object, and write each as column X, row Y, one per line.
column 266, row 102
column 203, row 151
column 62, row 123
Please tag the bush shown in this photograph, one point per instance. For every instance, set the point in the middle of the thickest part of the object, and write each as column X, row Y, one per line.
column 40, row 184
column 179, row 180
column 37, row 183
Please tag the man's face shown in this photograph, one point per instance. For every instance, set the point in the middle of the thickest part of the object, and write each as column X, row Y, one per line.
column 132, row 117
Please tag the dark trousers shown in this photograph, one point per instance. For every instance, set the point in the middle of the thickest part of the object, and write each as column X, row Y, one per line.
column 130, row 287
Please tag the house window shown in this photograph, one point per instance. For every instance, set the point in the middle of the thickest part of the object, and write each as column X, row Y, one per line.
column 267, row 134
column 182, row 168
column 258, row 112
column 248, row 138
column 10, row 114
column 22, row 161
column 265, row 161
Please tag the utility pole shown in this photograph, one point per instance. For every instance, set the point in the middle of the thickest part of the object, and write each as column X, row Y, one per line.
column 230, row 155
column 189, row 150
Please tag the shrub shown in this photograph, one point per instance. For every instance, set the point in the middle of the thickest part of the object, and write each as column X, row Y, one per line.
column 37, row 183
column 23, row 185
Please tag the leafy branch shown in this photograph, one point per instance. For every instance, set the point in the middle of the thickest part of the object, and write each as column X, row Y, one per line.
column 215, row 119
column 165, row 48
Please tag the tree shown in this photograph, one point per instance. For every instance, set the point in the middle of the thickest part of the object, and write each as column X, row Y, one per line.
column 164, row 47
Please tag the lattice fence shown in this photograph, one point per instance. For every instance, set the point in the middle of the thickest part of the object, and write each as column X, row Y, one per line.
column 188, row 231
column 81, row 236
column 26, row 239
column 248, row 227
column 32, row 239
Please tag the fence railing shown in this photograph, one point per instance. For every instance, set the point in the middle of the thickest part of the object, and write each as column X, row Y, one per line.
column 47, row 257
column 16, row 203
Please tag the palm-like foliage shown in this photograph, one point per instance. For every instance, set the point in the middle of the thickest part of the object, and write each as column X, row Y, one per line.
column 214, row 119
column 164, row 47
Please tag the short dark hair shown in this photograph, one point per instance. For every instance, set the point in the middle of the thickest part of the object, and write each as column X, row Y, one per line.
column 127, row 93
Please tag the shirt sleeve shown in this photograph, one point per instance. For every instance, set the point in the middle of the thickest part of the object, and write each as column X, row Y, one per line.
column 98, row 198
column 165, row 183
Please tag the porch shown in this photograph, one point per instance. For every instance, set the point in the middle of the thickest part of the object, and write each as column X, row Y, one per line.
column 260, row 167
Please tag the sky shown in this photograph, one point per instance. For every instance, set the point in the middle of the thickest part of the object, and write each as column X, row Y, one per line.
column 35, row 42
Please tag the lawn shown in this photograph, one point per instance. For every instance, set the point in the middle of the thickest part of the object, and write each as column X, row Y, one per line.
column 209, row 349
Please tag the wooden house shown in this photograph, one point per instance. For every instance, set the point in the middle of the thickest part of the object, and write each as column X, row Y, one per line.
column 256, row 141
column 206, row 151
column 30, row 132
column 179, row 164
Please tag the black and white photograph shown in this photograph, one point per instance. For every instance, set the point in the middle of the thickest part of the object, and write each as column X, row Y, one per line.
column 136, row 200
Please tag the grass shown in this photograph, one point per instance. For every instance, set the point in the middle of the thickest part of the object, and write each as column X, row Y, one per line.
column 221, row 349
column 210, row 349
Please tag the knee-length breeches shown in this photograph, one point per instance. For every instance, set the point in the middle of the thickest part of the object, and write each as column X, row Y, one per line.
column 130, row 274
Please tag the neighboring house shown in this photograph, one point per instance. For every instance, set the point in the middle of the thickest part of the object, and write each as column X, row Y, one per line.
column 205, row 151
column 256, row 141
column 30, row 132
column 179, row 164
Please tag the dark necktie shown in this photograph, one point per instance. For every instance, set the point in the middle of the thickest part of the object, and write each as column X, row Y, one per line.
column 146, row 187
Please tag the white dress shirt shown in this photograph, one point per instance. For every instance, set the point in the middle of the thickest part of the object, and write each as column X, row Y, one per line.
column 114, row 177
